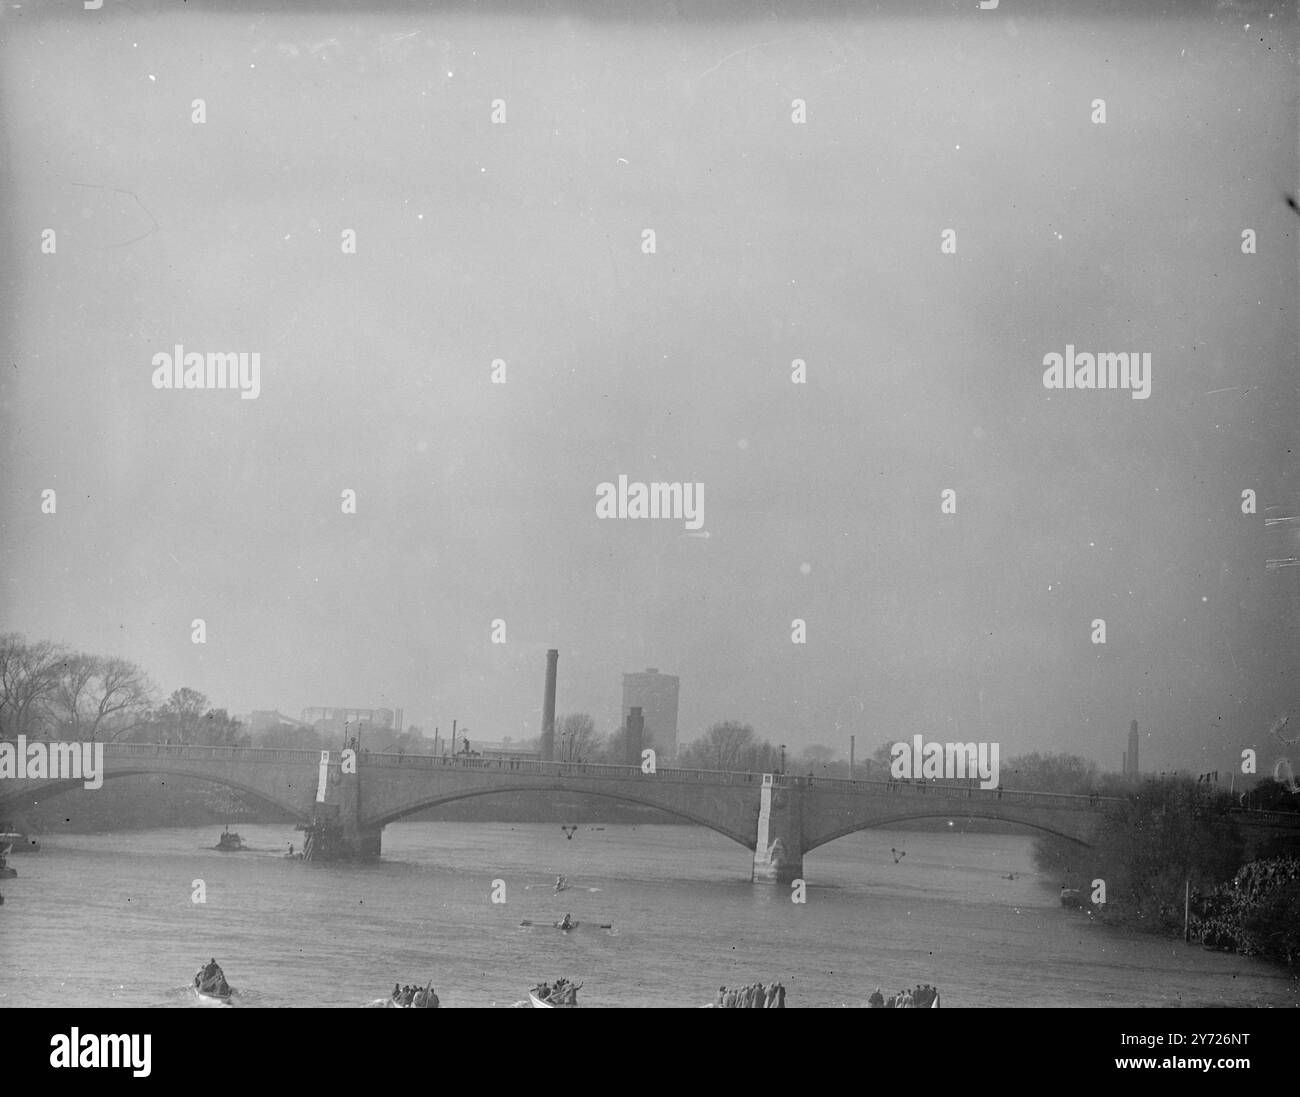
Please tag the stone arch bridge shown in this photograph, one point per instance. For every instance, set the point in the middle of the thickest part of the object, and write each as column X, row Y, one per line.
column 778, row 817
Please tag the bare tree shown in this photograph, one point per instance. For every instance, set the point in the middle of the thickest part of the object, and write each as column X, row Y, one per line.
column 121, row 701
column 75, row 675
column 576, row 734
column 29, row 676
column 97, row 695
column 181, row 715
column 218, row 729
column 723, row 746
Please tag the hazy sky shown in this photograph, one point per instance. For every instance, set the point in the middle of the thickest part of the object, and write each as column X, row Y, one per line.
column 775, row 241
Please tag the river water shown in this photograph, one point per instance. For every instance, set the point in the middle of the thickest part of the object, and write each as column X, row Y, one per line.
column 110, row 920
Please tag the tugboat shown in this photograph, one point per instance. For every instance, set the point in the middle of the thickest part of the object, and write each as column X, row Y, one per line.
column 210, row 986
column 230, row 842
column 562, row 995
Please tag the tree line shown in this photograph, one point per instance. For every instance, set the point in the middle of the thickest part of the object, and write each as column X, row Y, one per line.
column 49, row 691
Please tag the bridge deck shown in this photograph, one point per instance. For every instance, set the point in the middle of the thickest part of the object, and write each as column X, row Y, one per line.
column 598, row 770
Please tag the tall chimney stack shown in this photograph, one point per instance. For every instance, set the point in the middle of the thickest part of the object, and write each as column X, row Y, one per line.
column 548, row 707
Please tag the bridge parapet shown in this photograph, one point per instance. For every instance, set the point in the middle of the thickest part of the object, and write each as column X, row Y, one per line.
column 210, row 754
column 597, row 770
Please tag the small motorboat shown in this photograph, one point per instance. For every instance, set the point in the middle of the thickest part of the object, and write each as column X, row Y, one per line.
column 230, row 842
column 1071, row 898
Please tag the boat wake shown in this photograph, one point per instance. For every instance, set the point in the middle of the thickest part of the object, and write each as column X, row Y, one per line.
column 202, row 1001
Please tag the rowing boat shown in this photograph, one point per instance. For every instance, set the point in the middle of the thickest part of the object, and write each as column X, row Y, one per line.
column 563, row 995
column 210, row 986
column 570, row 926
column 541, row 1003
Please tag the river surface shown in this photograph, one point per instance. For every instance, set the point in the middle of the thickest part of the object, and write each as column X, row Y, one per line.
column 96, row 920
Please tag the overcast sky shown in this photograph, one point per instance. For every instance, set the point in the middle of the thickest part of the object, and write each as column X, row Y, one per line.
column 774, row 241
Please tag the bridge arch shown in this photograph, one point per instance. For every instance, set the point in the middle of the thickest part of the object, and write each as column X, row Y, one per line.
column 14, row 802
column 928, row 813
column 667, row 809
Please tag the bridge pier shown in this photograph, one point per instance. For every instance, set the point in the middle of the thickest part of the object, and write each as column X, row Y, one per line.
column 336, row 832
column 778, row 840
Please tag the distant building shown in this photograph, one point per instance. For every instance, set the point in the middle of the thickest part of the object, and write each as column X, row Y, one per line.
column 508, row 749
column 336, row 719
column 261, row 720
column 656, row 695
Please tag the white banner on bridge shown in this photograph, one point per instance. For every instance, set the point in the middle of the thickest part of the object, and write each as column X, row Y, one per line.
column 323, row 780
column 764, row 812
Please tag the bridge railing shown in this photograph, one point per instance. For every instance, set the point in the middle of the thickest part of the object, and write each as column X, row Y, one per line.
column 568, row 769
column 210, row 754
column 962, row 792
column 431, row 761
column 601, row 769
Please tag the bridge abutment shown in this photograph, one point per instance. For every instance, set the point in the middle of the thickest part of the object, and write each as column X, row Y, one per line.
column 778, row 841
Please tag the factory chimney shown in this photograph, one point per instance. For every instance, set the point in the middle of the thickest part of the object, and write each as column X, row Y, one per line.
column 548, row 707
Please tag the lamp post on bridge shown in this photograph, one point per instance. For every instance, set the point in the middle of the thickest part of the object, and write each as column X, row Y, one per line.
column 782, row 759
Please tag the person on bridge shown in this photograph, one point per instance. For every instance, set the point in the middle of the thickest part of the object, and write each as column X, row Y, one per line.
column 877, row 1000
